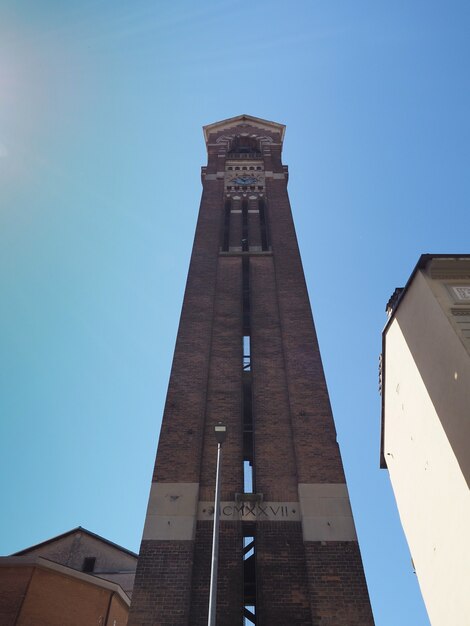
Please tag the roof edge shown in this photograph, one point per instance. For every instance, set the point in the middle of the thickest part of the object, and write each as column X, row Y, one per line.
column 208, row 128
column 70, row 532
column 40, row 561
column 422, row 262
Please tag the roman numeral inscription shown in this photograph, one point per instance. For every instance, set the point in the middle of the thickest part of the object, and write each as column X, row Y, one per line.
column 251, row 511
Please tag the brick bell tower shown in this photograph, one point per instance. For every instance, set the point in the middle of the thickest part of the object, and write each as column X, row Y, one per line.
column 247, row 354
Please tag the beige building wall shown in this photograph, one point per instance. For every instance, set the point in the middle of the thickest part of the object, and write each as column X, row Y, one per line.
column 426, row 433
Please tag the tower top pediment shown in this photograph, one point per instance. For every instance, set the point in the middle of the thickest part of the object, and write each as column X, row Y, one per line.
column 238, row 124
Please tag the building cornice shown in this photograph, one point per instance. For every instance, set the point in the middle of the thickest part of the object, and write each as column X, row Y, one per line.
column 239, row 120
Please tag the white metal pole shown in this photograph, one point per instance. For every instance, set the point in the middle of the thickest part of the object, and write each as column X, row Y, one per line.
column 215, row 544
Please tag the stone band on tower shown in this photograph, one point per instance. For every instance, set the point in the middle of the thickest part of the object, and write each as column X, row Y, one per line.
column 247, row 354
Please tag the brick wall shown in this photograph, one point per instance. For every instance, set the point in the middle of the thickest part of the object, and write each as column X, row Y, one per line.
column 338, row 589
column 224, row 391
column 36, row 595
column 230, row 579
column 275, row 467
column 314, row 434
column 14, row 583
column 183, row 418
column 283, row 594
column 162, row 585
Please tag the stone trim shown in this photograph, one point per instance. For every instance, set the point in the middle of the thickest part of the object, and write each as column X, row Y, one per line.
column 326, row 512
column 171, row 512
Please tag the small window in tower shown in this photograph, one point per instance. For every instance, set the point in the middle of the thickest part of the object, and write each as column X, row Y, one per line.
column 248, row 546
column 244, row 167
column 258, row 167
column 251, row 167
column 249, row 574
column 249, row 614
column 237, row 167
column 247, row 477
column 246, row 353
column 89, row 564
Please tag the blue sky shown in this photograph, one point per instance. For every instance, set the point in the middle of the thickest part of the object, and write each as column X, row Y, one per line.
column 101, row 109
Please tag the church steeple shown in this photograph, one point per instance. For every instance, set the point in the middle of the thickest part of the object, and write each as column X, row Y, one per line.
column 247, row 354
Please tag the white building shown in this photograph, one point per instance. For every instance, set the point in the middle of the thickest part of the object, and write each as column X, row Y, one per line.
column 426, row 428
